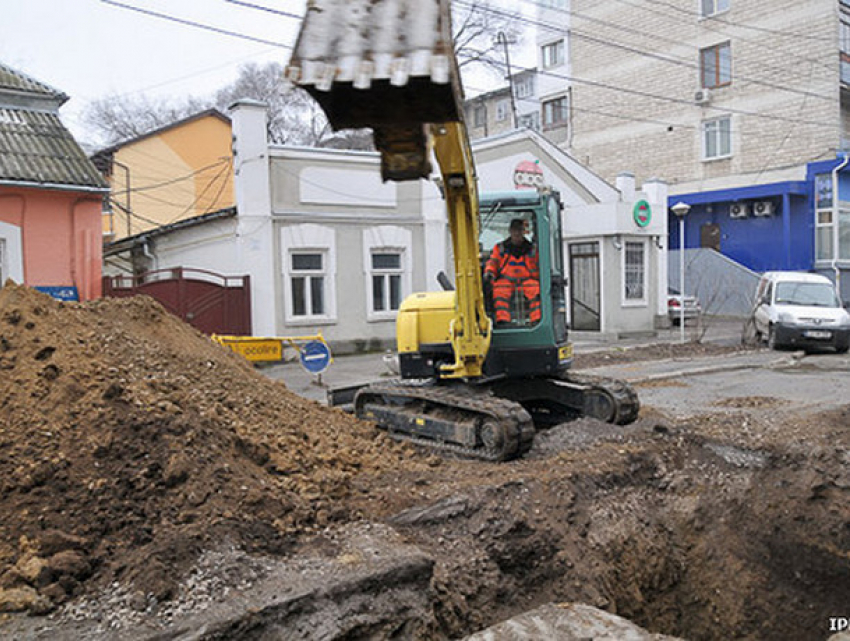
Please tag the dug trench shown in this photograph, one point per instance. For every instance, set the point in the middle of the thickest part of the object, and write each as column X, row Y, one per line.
column 155, row 486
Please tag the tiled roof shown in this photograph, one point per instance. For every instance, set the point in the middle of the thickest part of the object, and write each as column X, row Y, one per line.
column 35, row 147
column 13, row 80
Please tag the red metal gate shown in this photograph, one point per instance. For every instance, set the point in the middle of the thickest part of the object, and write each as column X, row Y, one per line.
column 213, row 303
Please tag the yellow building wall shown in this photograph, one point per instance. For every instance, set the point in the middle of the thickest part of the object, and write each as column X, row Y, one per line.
column 181, row 172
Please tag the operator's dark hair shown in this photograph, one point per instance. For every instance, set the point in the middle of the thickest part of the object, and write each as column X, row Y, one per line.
column 517, row 223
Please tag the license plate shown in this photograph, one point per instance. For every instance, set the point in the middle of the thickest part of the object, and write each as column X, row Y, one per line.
column 817, row 333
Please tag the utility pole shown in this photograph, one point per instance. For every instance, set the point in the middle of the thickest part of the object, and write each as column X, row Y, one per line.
column 502, row 39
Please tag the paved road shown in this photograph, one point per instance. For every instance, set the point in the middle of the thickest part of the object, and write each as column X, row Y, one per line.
column 362, row 368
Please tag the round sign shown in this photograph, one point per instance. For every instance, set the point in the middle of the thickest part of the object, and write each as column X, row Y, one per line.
column 642, row 213
column 315, row 357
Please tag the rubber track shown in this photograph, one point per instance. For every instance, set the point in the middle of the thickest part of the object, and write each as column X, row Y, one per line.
column 519, row 426
column 624, row 396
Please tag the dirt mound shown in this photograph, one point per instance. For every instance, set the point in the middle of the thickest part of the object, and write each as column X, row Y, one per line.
column 129, row 443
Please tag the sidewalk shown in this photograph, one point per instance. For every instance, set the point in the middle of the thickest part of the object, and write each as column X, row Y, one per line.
column 364, row 368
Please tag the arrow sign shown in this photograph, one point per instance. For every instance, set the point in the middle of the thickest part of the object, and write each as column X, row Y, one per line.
column 315, row 357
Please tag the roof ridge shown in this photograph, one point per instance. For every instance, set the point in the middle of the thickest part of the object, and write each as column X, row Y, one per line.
column 11, row 78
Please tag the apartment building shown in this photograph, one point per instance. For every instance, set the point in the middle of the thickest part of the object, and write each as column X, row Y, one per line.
column 540, row 95
column 740, row 105
column 496, row 112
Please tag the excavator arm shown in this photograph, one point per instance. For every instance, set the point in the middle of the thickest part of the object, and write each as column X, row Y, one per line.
column 389, row 65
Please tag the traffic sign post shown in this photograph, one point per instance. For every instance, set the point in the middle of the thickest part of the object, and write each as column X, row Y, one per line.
column 315, row 357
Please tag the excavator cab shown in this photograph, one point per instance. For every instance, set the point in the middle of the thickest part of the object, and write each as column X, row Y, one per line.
column 534, row 338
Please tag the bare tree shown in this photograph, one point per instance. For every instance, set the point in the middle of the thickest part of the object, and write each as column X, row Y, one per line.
column 476, row 25
column 116, row 118
column 294, row 118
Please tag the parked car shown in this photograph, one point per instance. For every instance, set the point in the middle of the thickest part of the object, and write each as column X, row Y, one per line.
column 675, row 301
column 796, row 309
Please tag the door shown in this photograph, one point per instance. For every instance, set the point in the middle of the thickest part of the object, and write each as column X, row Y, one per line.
column 585, row 299
column 709, row 236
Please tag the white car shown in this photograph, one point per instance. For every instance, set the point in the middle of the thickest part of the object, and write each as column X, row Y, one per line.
column 796, row 309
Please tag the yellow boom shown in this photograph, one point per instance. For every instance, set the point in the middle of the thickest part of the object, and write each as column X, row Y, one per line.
column 390, row 65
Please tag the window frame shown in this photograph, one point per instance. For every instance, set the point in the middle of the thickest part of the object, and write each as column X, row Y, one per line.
column 479, row 115
column 503, row 110
column 563, row 110
column 715, row 52
column 715, row 10
column 3, row 268
column 557, row 59
column 703, row 133
column 308, row 274
column 627, row 300
column 387, row 239
column 308, row 238
column 524, row 87
column 386, row 274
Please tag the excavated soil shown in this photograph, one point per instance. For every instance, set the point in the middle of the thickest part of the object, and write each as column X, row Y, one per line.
column 146, row 471
column 129, row 443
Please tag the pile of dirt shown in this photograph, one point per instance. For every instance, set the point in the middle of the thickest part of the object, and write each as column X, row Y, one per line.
column 130, row 443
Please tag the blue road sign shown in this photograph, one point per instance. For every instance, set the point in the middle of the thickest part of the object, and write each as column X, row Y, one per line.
column 60, row 293
column 315, row 357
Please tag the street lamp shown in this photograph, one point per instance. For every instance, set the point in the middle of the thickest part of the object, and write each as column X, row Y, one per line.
column 681, row 210
column 503, row 40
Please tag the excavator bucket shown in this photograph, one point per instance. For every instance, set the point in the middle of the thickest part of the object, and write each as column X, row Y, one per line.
column 384, row 64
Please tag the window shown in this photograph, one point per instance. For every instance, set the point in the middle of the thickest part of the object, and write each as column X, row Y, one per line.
column 844, row 46
column 388, row 265
column 503, row 110
column 308, row 262
column 479, row 115
column 386, row 281
column 716, row 138
column 716, row 65
column 826, row 226
column 552, row 54
column 307, row 281
column 530, row 121
column 634, row 272
column 555, row 112
column 524, row 87
column 711, row 7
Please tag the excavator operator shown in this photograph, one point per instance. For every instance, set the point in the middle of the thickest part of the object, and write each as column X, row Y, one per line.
column 513, row 265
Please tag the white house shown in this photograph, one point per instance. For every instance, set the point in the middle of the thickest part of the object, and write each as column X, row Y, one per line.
column 329, row 247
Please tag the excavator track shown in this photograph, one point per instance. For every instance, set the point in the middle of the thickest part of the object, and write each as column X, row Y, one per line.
column 467, row 421
column 554, row 400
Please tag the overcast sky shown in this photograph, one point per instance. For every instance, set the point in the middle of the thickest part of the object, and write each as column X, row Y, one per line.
column 92, row 49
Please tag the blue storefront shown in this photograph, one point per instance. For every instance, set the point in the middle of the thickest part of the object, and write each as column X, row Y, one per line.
column 791, row 225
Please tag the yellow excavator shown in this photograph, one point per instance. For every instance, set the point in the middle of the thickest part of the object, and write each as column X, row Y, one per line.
column 468, row 384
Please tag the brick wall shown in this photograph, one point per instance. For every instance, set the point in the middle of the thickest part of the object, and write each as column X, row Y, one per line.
column 635, row 128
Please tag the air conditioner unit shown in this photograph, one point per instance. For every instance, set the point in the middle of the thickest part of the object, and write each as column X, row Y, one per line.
column 738, row 210
column 763, row 208
column 702, row 96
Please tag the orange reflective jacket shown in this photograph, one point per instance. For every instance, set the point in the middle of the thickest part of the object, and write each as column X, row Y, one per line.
column 514, row 262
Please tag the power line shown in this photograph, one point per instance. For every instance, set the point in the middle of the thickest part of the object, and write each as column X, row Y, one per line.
column 613, row 44
column 173, row 180
column 260, row 7
column 192, row 23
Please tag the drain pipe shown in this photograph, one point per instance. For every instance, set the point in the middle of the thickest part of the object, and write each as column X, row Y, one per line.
column 835, row 268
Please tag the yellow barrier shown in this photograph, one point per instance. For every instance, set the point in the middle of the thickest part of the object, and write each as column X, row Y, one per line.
column 265, row 349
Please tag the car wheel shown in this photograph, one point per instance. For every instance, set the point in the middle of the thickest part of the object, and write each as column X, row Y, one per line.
column 841, row 349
